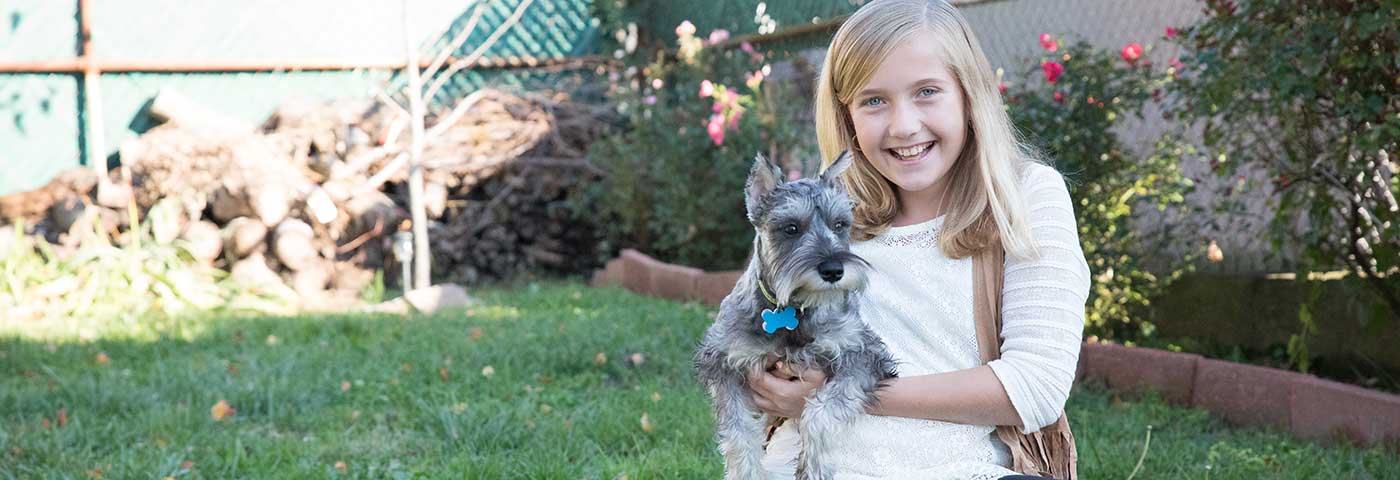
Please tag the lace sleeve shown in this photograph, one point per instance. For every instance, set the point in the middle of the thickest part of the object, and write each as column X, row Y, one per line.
column 1043, row 306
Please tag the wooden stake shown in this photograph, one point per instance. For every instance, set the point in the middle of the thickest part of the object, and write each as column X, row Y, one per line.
column 422, row 257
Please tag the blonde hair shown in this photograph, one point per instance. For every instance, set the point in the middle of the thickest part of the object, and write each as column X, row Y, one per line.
column 984, row 185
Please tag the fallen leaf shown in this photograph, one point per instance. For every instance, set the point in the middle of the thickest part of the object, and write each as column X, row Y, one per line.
column 407, row 368
column 221, row 411
column 530, row 424
column 488, row 371
column 600, row 359
column 354, row 414
column 637, row 359
column 475, row 333
column 545, row 408
column 62, row 417
column 646, row 423
column 568, row 424
column 233, row 369
column 103, row 359
column 45, row 423
column 655, row 397
column 344, row 385
column 577, row 295
column 186, row 465
column 272, row 340
column 620, row 476
column 340, row 466
column 459, row 408
column 95, row 473
column 442, row 373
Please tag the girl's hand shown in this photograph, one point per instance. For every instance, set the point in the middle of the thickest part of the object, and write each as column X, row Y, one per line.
column 782, row 392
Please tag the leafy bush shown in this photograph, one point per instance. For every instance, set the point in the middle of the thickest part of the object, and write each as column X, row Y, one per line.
column 1068, row 104
column 1309, row 94
column 698, row 115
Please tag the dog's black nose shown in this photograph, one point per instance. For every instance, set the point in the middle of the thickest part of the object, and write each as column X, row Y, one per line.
column 831, row 271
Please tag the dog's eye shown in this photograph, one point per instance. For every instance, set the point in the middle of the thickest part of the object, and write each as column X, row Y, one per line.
column 790, row 229
column 841, row 225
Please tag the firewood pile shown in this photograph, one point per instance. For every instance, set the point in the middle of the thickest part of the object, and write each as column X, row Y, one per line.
column 308, row 201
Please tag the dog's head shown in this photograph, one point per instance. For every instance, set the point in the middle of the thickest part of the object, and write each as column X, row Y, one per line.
column 803, row 230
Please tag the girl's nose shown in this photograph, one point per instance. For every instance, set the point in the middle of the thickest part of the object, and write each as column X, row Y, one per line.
column 905, row 122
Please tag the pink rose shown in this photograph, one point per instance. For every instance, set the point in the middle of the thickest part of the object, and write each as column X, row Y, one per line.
column 1048, row 43
column 1131, row 52
column 753, row 80
column 685, row 29
column 1052, row 70
column 1171, row 32
column 715, row 128
column 717, row 36
column 706, row 89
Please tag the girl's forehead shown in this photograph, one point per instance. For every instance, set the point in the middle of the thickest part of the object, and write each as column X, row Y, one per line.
column 916, row 59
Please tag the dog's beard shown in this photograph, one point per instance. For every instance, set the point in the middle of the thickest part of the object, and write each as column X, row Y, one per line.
column 799, row 280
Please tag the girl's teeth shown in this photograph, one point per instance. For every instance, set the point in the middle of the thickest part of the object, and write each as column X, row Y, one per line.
column 911, row 151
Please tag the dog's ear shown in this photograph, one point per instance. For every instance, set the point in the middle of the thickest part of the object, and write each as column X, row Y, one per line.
column 832, row 174
column 763, row 178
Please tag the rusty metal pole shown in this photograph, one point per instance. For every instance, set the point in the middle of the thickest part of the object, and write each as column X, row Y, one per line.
column 92, row 95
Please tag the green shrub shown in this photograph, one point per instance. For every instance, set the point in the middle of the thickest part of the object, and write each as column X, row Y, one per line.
column 1067, row 104
column 698, row 115
column 1309, row 94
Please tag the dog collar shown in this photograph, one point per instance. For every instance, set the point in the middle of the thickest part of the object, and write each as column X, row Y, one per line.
column 779, row 316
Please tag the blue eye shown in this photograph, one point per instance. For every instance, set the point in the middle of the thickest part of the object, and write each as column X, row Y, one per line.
column 872, row 101
column 927, row 92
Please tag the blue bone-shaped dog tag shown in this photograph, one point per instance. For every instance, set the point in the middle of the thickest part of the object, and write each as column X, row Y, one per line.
column 775, row 319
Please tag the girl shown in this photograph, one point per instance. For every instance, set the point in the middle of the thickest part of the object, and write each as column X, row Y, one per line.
column 938, row 176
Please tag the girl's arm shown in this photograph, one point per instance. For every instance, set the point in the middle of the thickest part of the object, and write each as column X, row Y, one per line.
column 973, row 396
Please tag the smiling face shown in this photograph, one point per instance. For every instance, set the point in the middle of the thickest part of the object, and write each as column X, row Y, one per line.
column 910, row 119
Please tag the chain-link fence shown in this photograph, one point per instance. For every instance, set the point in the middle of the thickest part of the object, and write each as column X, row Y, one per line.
column 151, row 45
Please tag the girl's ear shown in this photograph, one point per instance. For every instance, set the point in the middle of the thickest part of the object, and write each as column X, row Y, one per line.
column 832, row 174
column 763, row 179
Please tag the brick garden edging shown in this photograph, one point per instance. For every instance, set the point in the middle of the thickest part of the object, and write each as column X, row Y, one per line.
column 1304, row 405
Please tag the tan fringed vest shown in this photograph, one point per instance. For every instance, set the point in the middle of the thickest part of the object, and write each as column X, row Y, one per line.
column 1049, row 452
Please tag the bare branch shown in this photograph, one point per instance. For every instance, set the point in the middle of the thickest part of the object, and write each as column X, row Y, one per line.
column 456, row 42
column 461, row 63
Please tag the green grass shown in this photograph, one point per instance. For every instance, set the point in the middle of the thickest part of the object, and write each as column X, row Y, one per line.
column 550, row 410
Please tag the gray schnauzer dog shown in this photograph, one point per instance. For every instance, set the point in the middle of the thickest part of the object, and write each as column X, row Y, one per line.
column 796, row 302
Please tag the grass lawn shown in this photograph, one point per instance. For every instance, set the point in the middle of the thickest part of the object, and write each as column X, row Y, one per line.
column 538, row 382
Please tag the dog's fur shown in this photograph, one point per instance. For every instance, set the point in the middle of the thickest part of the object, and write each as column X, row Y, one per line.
column 830, row 335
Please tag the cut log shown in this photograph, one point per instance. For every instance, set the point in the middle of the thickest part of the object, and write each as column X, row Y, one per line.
column 33, row 205
column 204, row 241
column 243, row 236
column 293, row 245
column 311, row 281
column 270, row 202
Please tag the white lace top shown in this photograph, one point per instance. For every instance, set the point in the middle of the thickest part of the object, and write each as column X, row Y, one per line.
column 920, row 303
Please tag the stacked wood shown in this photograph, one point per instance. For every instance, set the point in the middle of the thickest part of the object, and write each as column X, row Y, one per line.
column 517, row 222
column 306, row 203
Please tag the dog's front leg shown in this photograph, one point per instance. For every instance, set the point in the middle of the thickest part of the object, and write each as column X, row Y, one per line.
column 829, row 409
column 739, row 426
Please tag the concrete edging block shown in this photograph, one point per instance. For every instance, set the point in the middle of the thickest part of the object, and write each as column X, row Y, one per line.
column 1170, row 374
